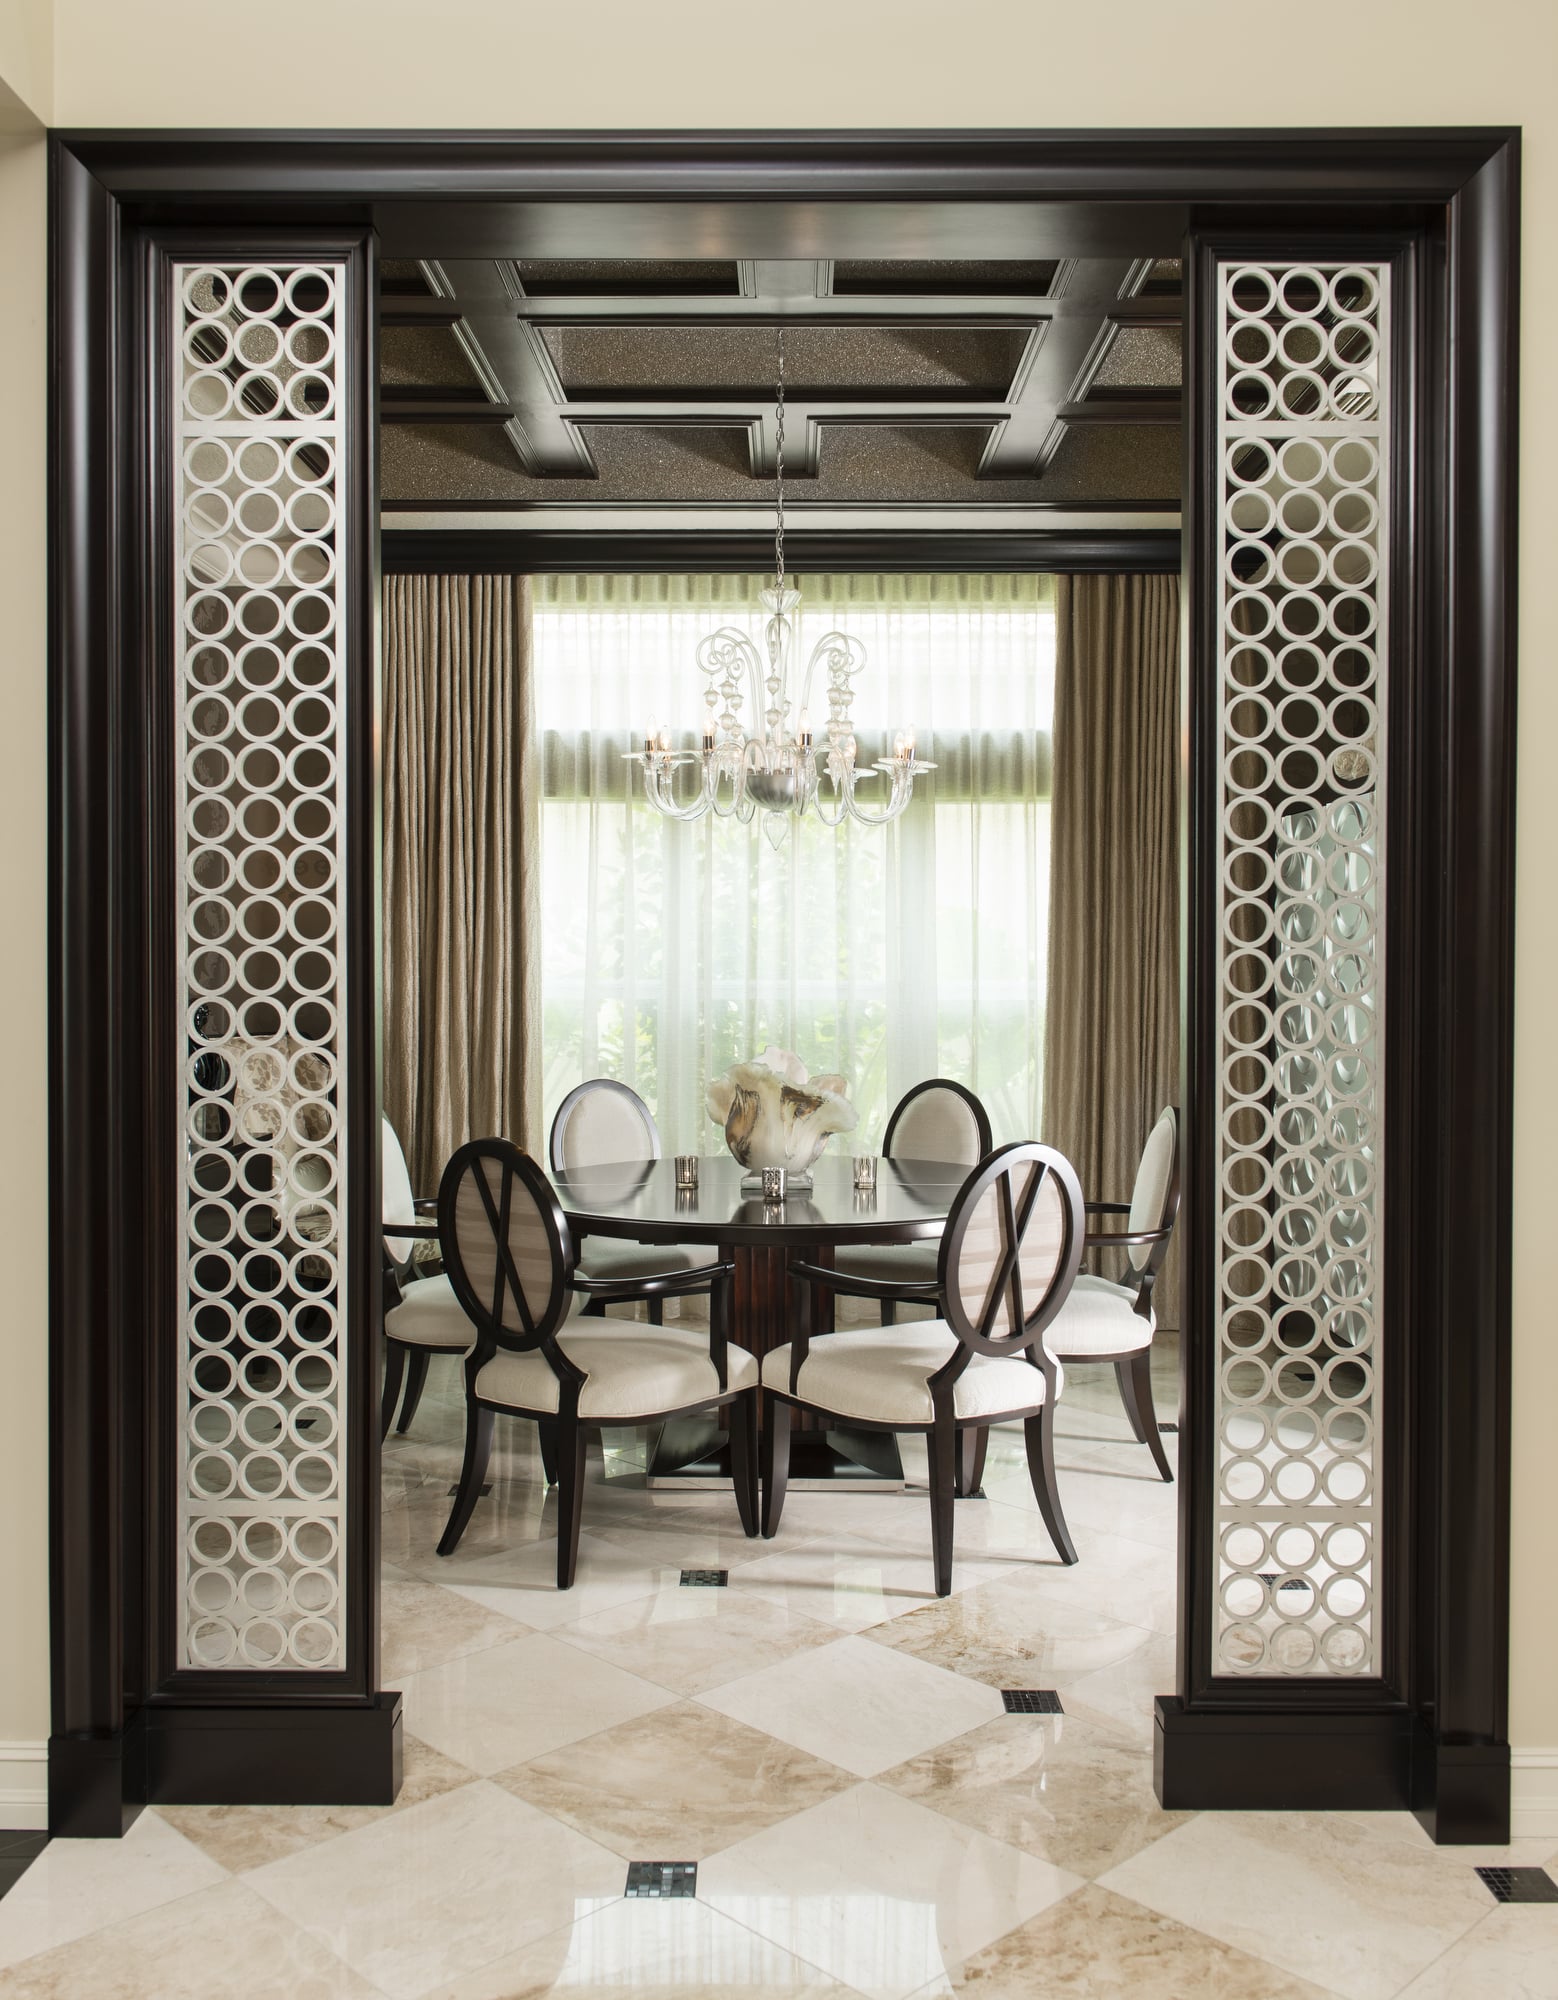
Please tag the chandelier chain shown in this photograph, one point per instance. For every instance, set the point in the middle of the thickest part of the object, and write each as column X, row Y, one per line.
column 779, row 471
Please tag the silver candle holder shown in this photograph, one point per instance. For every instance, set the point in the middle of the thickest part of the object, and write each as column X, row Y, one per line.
column 686, row 1172
column 865, row 1173
column 774, row 1181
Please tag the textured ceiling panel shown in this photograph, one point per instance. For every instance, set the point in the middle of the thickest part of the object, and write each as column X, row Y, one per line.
column 423, row 357
column 1109, row 462
column 577, row 274
column 880, row 274
column 1142, row 357
column 650, row 358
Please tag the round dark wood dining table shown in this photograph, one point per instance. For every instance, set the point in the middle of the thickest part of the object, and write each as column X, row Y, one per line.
column 641, row 1202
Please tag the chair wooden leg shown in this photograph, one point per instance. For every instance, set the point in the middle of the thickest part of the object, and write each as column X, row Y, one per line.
column 657, row 1312
column 1135, row 1378
column 942, row 1453
column 547, row 1429
column 1039, row 1433
column 889, row 1312
column 570, row 1482
column 416, row 1376
column 742, row 1418
column 478, row 1443
column 776, row 1463
column 394, row 1375
column 595, row 1309
column 972, row 1447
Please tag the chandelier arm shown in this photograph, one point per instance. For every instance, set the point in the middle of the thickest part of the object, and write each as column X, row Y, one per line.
column 663, row 799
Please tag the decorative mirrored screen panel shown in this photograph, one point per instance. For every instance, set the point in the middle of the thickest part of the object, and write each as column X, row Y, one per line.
column 260, row 563
column 1303, row 439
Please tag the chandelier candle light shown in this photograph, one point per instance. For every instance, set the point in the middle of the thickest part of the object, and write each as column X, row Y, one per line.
column 777, row 768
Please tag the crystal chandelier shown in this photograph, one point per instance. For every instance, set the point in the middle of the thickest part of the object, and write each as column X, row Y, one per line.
column 777, row 767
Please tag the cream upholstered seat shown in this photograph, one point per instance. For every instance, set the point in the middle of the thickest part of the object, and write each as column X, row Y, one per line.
column 1105, row 1320
column 424, row 1317
column 601, row 1124
column 510, row 1256
column 1007, row 1259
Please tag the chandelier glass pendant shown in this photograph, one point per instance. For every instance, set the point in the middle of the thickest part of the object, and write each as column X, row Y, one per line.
column 771, row 763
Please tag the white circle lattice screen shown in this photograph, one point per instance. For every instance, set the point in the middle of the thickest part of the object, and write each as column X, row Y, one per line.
column 1303, row 504
column 260, row 565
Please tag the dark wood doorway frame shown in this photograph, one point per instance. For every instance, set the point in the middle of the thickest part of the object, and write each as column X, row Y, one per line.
column 1431, row 1731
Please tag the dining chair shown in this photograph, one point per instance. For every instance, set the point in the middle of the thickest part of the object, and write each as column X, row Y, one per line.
column 1007, row 1259
column 422, row 1316
column 1109, row 1320
column 937, row 1120
column 604, row 1123
column 511, row 1261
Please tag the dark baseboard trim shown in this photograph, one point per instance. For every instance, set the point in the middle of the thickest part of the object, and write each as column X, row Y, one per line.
column 277, row 1756
column 96, row 1784
column 1281, row 1761
column 1460, row 1791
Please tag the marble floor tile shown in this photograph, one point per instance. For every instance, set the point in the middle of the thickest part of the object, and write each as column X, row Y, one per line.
column 427, row 1895
column 879, row 1891
column 1343, row 1899
column 1020, row 1631
column 1126, row 1690
column 679, row 1784
column 1072, row 1789
column 201, row 1945
column 853, row 1589
column 78, row 1886
column 1511, row 1954
column 679, row 1950
column 509, row 1703
column 689, row 1639
column 1098, row 1946
column 242, row 1837
column 521, row 1582
column 422, row 1625
column 859, row 1706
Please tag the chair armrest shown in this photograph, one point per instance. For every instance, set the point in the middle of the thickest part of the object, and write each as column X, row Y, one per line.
column 426, row 1204
column 1105, row 1239
column 902, row 1291
column 1107, row 1207
column 672, row 1285
column 424, row 1230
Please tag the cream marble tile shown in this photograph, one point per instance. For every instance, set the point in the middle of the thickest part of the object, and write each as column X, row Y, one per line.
column 1073, row 1790
column 1126, row 1690
column 1097, row 1946
column 516, row 1701
column 1346, row 1899
column 683, row 1782
column 442, row 1889
column 1512, row 1954
column 1020, row 1631
column 242, row 1837
column 850, row 1590
column 224, row 1939
column 689, row 1640
column 422, row 1625
column 879, row 1891
column 649, row 1951
column 78, row 1886
column 521, row 1583
column 860, row 1706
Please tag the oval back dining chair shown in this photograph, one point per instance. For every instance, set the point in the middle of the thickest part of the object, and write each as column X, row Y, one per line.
column 603, row 1123
column 422, row 1317
column 1113, row 1320
column 936, row 1120
column 1008, row 1257
column 511, row 1261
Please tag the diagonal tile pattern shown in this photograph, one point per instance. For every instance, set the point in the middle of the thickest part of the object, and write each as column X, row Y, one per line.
column 824, row 1737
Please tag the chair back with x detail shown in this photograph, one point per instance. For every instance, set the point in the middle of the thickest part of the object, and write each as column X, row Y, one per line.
column 508, row 1250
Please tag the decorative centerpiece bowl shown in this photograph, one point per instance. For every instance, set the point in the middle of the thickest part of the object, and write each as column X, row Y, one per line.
column 777, row 1115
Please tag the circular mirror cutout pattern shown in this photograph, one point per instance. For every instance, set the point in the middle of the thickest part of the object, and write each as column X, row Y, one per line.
column 1303, row 439
column 260, row 560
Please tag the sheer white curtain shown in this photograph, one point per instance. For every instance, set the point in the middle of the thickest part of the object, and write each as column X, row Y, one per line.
column 670, row 951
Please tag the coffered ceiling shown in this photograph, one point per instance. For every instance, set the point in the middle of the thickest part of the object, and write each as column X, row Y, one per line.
column 523, row 382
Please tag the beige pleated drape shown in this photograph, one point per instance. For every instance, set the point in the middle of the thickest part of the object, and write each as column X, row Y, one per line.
column 462, row 1039
column 1111, row 1053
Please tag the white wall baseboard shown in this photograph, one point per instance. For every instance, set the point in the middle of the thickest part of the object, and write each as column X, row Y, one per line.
column 24, row 1787
column 1533, row 1811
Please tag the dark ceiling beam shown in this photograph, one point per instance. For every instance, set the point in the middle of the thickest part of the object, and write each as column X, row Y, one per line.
column 1127, row 409
column 834, row 309
column 399, row 406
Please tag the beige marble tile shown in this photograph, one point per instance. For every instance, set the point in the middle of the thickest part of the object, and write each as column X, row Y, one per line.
column 683, row 1782
column 1071, row 1789
column 1512, row 1954
column 859, row 1706
column 853, row 1589
column 879, row 1891
column 521, row 1583
column 1126, row 1690
column 690, row 1640
column 679, row 1950
column 242, row 1837
column 1098, row 1946
column 1020, row 1631
column 509, row 1703
column 78, row 1886
column 221, row 1940
column 443, row 1889
column 422, row 1625
column 1348, row 1900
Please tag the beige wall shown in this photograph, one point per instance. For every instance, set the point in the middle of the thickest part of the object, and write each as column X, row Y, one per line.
column 897, row 63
